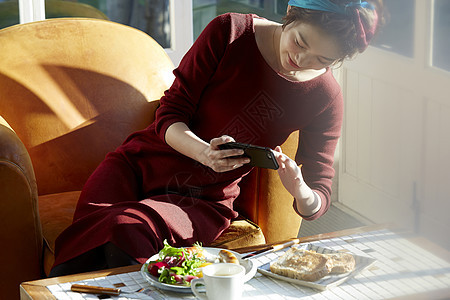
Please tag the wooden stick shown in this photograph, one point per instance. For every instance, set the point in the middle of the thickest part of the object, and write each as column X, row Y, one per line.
column 82, row 288
column 273, row 248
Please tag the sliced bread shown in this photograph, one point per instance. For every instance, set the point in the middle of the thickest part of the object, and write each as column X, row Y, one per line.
column 302, row 264
column 341, row 262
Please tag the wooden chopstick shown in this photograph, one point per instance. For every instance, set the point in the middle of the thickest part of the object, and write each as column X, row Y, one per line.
column 273, row 248
column 82, row 288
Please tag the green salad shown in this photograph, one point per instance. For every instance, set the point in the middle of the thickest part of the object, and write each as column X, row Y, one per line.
column 178, row 265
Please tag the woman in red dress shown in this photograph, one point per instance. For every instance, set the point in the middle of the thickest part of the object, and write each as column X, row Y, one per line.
column 245, row 79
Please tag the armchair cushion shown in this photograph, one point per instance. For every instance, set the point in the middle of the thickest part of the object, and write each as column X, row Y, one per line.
column 56, row 212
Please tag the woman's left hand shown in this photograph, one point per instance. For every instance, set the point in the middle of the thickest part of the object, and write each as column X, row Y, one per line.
column 291, row 177
column 290, row 174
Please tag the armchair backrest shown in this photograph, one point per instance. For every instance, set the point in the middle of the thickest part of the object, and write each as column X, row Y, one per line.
column 73, row 89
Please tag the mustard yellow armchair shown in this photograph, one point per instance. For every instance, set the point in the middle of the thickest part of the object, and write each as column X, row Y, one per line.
column 71, row 90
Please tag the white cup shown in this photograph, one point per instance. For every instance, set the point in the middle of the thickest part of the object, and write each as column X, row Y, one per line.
column 223, row 281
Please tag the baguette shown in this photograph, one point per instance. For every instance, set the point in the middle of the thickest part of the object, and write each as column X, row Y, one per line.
column 228, row 257
column 302, row 264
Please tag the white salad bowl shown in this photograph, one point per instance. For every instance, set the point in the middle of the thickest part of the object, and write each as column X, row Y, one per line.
column 211, row 255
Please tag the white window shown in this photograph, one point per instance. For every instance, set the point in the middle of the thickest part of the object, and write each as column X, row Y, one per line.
column 31, row 10
column 173, row 30
column 395, row 141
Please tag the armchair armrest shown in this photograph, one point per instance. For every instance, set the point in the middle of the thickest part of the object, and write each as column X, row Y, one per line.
column 20, row 227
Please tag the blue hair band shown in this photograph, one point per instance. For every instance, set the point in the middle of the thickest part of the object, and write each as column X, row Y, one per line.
column 327, row 5
column 360, row 3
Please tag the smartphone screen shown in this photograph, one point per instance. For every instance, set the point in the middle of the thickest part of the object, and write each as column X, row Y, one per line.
column 262, row 157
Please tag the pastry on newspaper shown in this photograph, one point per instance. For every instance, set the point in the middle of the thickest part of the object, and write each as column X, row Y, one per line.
column 311, row 266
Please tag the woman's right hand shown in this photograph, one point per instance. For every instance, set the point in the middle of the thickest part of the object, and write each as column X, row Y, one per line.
column 183, row 140
column 220, row 160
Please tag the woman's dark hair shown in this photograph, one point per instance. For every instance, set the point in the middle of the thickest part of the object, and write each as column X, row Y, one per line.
column 343, row 27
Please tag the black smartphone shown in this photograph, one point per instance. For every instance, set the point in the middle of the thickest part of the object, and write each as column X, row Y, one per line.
column 262, row 157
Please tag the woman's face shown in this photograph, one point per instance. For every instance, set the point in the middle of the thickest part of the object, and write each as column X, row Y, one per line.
column 304, row 46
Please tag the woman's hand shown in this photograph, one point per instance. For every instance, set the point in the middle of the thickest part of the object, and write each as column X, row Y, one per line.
column 290, row 174
column 183, row 140
column 222, row 160
column 292, row 179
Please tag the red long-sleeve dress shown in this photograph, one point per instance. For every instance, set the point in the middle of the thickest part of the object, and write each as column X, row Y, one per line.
column 145, row 192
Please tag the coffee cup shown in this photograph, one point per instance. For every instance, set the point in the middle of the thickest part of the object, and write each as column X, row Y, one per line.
column 223, row 281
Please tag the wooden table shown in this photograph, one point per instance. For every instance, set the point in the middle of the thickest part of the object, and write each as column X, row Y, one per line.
column 38, row 289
